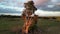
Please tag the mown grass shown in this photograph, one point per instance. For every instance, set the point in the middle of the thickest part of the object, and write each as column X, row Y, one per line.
column 9, row 25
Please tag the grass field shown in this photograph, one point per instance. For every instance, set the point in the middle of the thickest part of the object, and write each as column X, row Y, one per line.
column 11, row 25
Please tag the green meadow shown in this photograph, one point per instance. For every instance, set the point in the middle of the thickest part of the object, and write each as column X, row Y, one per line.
column 12, row 25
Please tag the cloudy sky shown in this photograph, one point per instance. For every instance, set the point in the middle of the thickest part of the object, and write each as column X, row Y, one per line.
column 18, row 5
column 20, row 2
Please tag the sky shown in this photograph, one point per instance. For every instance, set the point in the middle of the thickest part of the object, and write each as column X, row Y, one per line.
column 18, row 5
column 19, row 2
